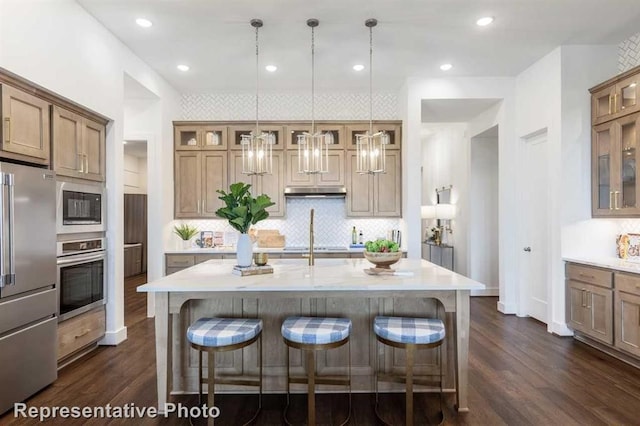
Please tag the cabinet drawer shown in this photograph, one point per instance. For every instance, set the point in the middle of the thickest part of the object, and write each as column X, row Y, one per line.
column 170, row 271
column 588, row 274
column 204, row 257
column 80, row 331
column 628, row 283
column 180, row 260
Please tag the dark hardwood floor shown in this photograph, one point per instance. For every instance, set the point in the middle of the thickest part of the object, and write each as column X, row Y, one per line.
column 519, row 375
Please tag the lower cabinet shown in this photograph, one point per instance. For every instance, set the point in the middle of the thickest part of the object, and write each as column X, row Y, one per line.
column 627, row 318
column 80, row 332
column 605, row 306
column 132, row 260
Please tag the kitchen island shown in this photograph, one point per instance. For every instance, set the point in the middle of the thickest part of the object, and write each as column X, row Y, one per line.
column 333, row 287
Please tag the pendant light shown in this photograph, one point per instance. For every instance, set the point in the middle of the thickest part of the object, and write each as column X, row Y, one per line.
column 257, row 155
column 370, row 147
column 313, row 147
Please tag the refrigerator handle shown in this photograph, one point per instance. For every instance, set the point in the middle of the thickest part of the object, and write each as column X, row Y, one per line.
column 2, row 251
column 11, row 276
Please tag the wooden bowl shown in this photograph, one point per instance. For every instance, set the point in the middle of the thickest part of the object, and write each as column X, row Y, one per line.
column 383, row 260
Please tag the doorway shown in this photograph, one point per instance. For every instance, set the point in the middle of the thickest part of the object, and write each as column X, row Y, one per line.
column 135, row 228
column 534, row 202
column 484, row 256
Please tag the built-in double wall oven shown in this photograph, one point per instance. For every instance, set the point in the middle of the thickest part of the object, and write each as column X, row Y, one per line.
column 81, row 276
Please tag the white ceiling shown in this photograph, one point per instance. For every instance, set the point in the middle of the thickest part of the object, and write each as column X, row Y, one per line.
column 413, row 38
column 454, row 110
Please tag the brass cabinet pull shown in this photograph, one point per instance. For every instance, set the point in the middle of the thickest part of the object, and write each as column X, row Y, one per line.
column 81, row 163
column 587, row 276
column 610, row 99
column 582, row 302
column 615, row 200
column 615, row 102
column 589, row 295
column 198, row 206
column 84, row 333
column 610, row 200
column 86, row 162
column 7, row 122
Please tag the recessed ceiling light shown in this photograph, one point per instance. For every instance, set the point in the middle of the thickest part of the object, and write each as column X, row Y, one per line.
column 484, row 21
column 446, row 67
column 144, row 23
column 358, row 67
column 183, row 67
column 271, row 68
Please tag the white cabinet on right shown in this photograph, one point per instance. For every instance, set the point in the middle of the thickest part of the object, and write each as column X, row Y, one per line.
column 375, row 195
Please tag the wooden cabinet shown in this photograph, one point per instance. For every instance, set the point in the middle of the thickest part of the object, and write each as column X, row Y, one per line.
column 178, row 262
column 627, row 313
column 81, row 331
column 393, row 129
column 198, row 174
column 270, row 184
column 294, row 130
column 237, row 130
column 590, row 302
column 334, row 177
column 79, row 146
column 614, row 159
column 441, row 255
column 615, row 98
column 132, row 260
column 25, row 126
column 375, row 195
column 191, row 137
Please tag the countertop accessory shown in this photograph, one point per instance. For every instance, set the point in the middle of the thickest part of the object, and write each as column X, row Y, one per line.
column 370, row 146
column 252, row 270
column 387, row 271
column 313, row 147
column 260, row 259
column 257, row 155
column 383, row 260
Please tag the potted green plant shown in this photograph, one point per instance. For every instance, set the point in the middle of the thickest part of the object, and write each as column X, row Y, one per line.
column 243, row 210
column 186, row 232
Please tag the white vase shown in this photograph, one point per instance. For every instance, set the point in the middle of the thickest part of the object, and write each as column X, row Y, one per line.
column 244, row 250
column 186, row 244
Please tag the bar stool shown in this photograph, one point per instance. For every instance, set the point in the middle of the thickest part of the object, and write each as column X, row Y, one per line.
column 214, row 335
column 311, row 334
column 409, row 334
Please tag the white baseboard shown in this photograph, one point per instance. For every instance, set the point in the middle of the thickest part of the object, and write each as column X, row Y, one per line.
column 506, row 309
column 560, row 329
column 113, row 338
column 486, row 292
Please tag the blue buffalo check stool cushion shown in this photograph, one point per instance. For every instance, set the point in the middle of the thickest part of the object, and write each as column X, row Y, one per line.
column 315, row 330
column 215, row 332
column 409, row 330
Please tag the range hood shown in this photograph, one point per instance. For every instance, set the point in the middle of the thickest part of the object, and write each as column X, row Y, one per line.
column 315, row 191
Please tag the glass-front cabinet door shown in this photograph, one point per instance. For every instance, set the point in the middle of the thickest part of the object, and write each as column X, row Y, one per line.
column 601, row 186
column 626, row 96
column 625, row 195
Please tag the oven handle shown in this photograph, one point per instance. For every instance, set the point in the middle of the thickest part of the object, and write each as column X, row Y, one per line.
column 77, row 259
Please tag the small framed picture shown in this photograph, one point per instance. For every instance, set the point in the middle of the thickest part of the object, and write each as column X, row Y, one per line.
column 206, row 239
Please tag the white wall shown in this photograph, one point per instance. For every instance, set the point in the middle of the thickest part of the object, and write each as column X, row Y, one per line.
column 135, row 174
column 59, row 46
column 483, row 213
column 445, row 152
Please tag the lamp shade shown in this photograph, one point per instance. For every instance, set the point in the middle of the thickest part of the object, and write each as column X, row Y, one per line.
column 428, row 212
column 445, row 211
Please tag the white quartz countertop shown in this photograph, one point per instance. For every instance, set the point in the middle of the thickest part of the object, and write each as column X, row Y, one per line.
column 230, row 250
column 607, row 262
column 327, row 275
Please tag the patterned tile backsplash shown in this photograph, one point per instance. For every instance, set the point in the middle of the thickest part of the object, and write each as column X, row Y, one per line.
column 289, row 106
column 331, row 226
column 629, row 53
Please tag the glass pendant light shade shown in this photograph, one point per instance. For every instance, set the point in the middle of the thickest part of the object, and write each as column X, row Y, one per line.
column 257, row 147
column 371, row 147
column 313, row 147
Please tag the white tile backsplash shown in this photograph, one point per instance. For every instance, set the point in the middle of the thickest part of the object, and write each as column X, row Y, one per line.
column 629, row 53
column 331, row 226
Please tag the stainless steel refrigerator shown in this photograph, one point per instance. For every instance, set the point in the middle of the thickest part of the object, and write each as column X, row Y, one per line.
column 28, row 299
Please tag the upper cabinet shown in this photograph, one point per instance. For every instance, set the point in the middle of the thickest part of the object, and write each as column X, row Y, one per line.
column 375, row 195
column 25, row 126
column 292, row 131
column 393, row 129
column 335, row 175
column 614, row 147
column 198, row 175
column 192, row 137
column 270, row 184
column 616, row 98
column 236, row 131
column 79, row 146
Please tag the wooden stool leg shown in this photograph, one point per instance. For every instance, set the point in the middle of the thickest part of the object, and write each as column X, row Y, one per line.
column 311, row 396
column 211, row 384
column 200, row 377
column 409, row 385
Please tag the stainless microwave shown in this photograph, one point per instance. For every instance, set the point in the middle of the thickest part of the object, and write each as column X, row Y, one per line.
column 80, row 208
